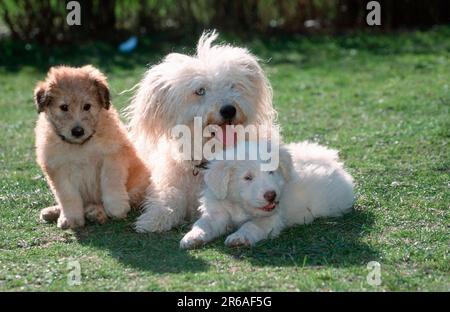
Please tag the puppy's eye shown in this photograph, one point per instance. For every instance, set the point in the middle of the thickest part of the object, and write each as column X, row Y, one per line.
column 87, row 107
column 248, row 177
column 64, row 107
column 232, row 86
column 271, row 172
column 200, row 91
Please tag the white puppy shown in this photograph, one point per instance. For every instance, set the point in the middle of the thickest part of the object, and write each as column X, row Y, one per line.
column 259, row 204
column 222, row 84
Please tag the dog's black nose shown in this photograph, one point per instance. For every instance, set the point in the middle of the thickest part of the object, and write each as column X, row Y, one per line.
column 77, row 132
column 228, row 112
column 270, row 196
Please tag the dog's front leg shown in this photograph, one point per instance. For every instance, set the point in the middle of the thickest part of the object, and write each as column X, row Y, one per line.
column 206, row 229
column 115, row 198
column 70, row 202
column 255, row 230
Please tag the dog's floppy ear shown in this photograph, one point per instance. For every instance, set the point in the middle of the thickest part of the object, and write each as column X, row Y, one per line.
column 286, row 165
column 101, row 84
column 149, row 111
column 217, row 178
column 261, row 86
column 41, row 97
column 103, row 92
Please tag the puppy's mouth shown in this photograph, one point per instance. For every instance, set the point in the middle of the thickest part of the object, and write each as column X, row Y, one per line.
column 76, row 142
column 227, row 135
column 269, row 207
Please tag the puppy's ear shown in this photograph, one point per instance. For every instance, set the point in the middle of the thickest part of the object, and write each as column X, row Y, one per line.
column 41, row 97
column 217, row 179
column 286, row 165
column 101, row 84
column 103, row 92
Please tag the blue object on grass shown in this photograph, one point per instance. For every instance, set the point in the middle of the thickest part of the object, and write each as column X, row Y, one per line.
column 129, row 45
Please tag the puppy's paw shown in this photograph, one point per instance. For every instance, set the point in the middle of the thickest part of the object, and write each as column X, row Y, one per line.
column 238, row 240
column 117, row 209
column 50, row 214
column 65, row 222
column 96, row 213
column 193, row 239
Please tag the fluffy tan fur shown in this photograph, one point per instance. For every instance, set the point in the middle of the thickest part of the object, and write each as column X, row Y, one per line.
column 98, row 174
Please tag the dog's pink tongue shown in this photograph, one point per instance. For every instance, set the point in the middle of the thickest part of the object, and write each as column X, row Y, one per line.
column 269, row 207
column 229, row 136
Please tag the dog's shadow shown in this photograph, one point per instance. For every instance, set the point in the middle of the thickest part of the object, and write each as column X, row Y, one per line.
column 337, row 242
column 158, row 253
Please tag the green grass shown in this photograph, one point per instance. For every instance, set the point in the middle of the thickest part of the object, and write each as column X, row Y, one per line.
column 382, row 100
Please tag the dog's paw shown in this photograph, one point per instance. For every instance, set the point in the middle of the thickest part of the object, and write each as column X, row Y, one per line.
column 50, row 214
column 151, row 227
column 193, row 239
column 156, row 220
column 238, row 240
column 96, row 213
column 116, row 209
column 65, row 222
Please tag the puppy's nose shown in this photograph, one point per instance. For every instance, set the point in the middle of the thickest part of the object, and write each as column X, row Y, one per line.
column 270, row 196
column 228, row 112
column 77, row 132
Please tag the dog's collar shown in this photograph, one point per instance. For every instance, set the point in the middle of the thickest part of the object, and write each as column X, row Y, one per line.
column 196, row 168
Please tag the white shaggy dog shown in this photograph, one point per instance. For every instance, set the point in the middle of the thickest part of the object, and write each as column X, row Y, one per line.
column 224, row 85
column 259, row 204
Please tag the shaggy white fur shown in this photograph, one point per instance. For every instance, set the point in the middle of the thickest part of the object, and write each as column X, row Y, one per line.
column 172, row 93
column 261, row 204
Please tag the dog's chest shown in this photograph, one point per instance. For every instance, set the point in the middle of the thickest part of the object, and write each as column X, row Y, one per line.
column 89, row 184
column 83, row 171
column 83, row 160
column 239, row 216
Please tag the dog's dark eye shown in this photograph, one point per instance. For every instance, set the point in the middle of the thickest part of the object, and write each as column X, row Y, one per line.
column 200, row 91
column 271, row 172
column 64, row 107
column 87, row 107
column 248, row 177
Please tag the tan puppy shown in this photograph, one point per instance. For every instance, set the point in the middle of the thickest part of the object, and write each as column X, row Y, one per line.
column 83, row 149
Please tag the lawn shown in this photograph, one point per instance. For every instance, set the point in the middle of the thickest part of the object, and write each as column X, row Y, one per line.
column 382, row 100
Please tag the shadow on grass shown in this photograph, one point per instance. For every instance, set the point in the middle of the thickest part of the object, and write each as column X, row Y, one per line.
column 158, row 253
column 326, row 242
